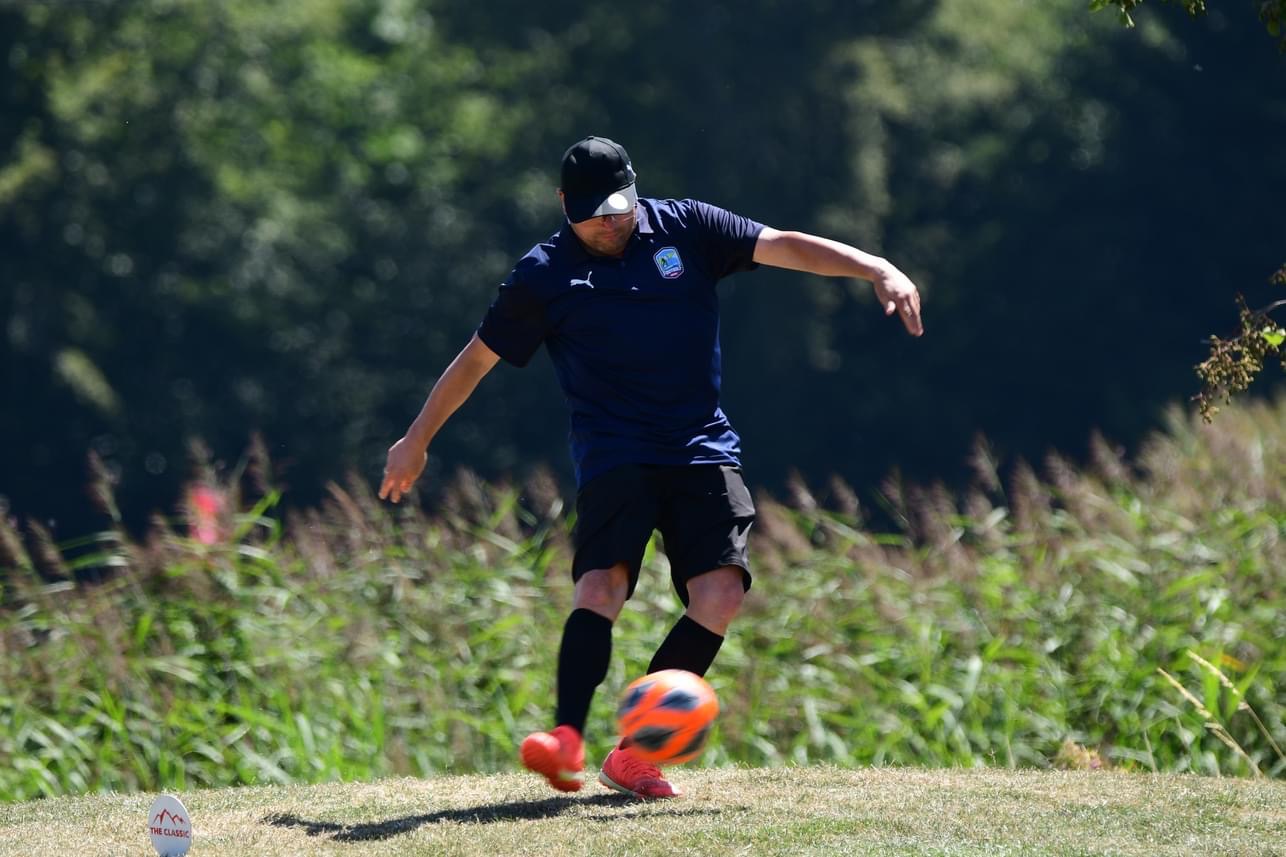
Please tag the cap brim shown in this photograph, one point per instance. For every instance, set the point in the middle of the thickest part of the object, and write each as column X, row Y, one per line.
column 617, row 202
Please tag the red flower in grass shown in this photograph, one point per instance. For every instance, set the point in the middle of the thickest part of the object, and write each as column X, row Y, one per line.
column 205, row 505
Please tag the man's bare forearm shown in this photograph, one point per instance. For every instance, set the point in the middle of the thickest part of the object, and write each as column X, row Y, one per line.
column 452, row 390
column 800, row 251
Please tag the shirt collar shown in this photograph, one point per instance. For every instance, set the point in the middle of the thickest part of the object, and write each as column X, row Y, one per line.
column 644, row 225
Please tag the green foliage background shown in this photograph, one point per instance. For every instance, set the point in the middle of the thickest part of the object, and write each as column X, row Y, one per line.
column 1017, row 624
column 224, row 217
column 219, row 219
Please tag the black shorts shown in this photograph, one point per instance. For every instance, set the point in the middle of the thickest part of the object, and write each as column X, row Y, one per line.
column 703, row 511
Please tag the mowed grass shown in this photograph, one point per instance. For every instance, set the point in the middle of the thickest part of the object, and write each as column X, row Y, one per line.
column 811, row 810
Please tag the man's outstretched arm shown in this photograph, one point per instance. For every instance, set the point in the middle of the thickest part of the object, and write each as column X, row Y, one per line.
column 407, row 457
column 800, row 251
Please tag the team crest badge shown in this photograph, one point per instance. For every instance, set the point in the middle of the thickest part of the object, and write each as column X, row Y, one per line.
column 668, row 263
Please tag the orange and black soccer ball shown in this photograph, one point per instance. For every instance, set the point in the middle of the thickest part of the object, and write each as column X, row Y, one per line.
column 665, row 717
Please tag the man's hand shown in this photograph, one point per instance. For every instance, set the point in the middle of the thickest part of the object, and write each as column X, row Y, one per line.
column 407, row 457
column 406, row 460
column 898, row 294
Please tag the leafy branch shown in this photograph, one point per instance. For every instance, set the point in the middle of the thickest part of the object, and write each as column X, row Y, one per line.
column 1271, row 12
column 1234, row 363
column 1194, row 7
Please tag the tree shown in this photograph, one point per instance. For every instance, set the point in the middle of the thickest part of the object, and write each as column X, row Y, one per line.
column 1233, row 363
column 287, row 215
column 1271, row 12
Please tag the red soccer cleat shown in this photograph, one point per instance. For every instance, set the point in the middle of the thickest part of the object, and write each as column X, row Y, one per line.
column 557, row 755
column 627, row 773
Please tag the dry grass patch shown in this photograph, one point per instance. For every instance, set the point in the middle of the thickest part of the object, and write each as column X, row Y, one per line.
column 815, row 810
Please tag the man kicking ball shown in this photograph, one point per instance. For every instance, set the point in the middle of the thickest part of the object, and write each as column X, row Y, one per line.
column 624, row 298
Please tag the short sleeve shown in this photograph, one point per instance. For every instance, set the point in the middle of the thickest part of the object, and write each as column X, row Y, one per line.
column 516, row 323
column 728, row 239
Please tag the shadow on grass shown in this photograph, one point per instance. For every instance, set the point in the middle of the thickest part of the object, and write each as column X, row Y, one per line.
column 481, row 814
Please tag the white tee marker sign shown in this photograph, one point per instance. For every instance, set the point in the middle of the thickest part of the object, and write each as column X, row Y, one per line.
column 170, row 827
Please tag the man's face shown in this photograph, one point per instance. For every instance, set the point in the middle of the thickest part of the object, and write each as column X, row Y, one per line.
column 606, row 235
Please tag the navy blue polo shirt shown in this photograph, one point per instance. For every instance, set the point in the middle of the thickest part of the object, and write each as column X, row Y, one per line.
column 635, row 340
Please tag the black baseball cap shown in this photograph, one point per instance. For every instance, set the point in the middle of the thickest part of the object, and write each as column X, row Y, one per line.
column 597, row 179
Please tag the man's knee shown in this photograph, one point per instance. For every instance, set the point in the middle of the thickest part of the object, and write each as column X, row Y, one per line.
column 603, row 590
column 715, row 597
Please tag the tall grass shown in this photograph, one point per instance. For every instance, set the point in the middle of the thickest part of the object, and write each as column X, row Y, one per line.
column 1025, row 622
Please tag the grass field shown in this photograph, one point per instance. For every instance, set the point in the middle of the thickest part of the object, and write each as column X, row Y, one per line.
column 730, row 811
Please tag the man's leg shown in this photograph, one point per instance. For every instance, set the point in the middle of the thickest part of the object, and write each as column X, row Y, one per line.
column 706, row 526
column 705, row 521
column 583, row 658
column 713, row 600
column 586, row 648
column 615, row 515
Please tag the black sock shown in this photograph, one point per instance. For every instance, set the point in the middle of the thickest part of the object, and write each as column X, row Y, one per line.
column 583, row 657
column 690, row 646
